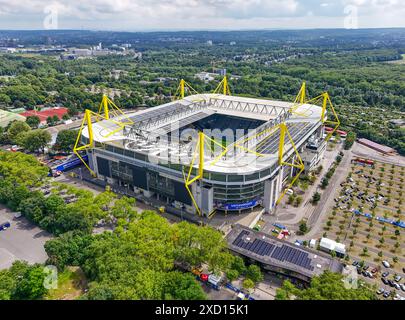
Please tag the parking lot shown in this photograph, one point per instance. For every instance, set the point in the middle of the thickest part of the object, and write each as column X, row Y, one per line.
column 22, row 241
column 367, row 218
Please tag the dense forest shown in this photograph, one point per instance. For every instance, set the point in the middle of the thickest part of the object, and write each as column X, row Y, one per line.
column 355, row 68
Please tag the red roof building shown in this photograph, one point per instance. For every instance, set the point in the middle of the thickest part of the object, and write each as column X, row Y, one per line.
column 44, row 114
column 376, row 146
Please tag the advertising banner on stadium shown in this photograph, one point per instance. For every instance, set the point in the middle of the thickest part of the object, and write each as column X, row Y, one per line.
column 240, row 206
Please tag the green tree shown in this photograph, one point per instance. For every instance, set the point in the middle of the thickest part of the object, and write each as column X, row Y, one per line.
column 254, row 273
column 248, row 284
column 31, row 286
column 33, row 121
column 329, row 286
column 15, row 130
column 35, row 140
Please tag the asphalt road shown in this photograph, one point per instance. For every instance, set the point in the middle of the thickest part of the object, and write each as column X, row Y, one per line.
column 22, row 241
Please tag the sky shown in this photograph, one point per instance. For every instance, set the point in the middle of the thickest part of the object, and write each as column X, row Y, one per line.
column 148, row 15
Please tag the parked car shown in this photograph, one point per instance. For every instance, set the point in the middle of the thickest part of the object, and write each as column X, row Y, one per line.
column 5, row 225
column 386, row 294
column 365, row 267
column 380, row 291
column 385, row 281
column 17, row 215
column 385, row 274
column 397, row 278
column 374, row 270
column 386, row 264
column 355, row 263
column 402, row 285
column 396, row 286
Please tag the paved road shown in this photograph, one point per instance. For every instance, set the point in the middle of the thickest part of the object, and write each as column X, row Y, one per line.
column 22, row 241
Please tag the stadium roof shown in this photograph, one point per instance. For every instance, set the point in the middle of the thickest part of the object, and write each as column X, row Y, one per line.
column 152, row 122
column 6, row 117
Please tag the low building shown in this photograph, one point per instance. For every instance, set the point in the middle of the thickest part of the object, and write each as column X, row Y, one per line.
column 279, row 256
column 329, row 245
column 377, row 147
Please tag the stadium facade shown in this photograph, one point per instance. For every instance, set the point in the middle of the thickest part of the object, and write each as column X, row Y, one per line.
column 208, row 152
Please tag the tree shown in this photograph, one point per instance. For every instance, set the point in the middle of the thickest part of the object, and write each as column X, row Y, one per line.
column 329, row 286
column 31, row 285
column 55, row 119
column 350, row 138
column 316, row 197
column 182, row 286
column 65, row 140
column 50, row 121
column 15, row 130
column 248, row 284
column 232, row 275
column 33, row 121
column 35, row 140
column 254, row 273
column 303, row 228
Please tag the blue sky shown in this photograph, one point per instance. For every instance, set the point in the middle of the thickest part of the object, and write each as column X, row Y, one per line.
column 135, row 15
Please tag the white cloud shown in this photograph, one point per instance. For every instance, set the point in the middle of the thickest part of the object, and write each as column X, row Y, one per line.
column 199, row 14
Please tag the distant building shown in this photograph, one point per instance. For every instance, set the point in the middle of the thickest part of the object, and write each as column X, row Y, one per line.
column 81, row 52
column 206, row 76
column 209, row 43
column 232, row 43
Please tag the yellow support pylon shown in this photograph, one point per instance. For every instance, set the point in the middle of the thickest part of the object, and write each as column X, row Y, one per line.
column 223, row 87
column 106, row 108
column 181, row 90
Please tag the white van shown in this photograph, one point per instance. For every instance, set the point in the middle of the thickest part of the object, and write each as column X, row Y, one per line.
column 290, row 192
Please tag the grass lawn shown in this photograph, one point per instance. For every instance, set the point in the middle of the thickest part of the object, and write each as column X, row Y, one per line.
column 71, row 285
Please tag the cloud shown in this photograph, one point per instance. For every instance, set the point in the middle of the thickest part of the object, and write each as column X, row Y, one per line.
column 199, row 14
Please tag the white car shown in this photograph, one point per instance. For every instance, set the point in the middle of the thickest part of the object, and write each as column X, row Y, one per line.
column 386, row 264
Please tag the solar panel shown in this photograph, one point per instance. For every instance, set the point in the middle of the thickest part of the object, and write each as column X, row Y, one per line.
column 259, row 250
column 255, row 244
column 268, row 250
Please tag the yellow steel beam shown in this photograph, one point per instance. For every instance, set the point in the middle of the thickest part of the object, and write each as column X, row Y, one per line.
column 300, row 165
column 283, row 129
column 105, row 105
column 301, row 94
column 182, row 88
column 224, row 85
column 201, row 163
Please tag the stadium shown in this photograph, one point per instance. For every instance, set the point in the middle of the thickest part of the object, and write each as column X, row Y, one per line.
column 212, row 152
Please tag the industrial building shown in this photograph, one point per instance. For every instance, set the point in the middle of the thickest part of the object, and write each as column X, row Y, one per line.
column 208, row 152
column 278, row 256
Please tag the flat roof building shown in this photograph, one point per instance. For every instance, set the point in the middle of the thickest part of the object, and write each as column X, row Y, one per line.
column 279, row 256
